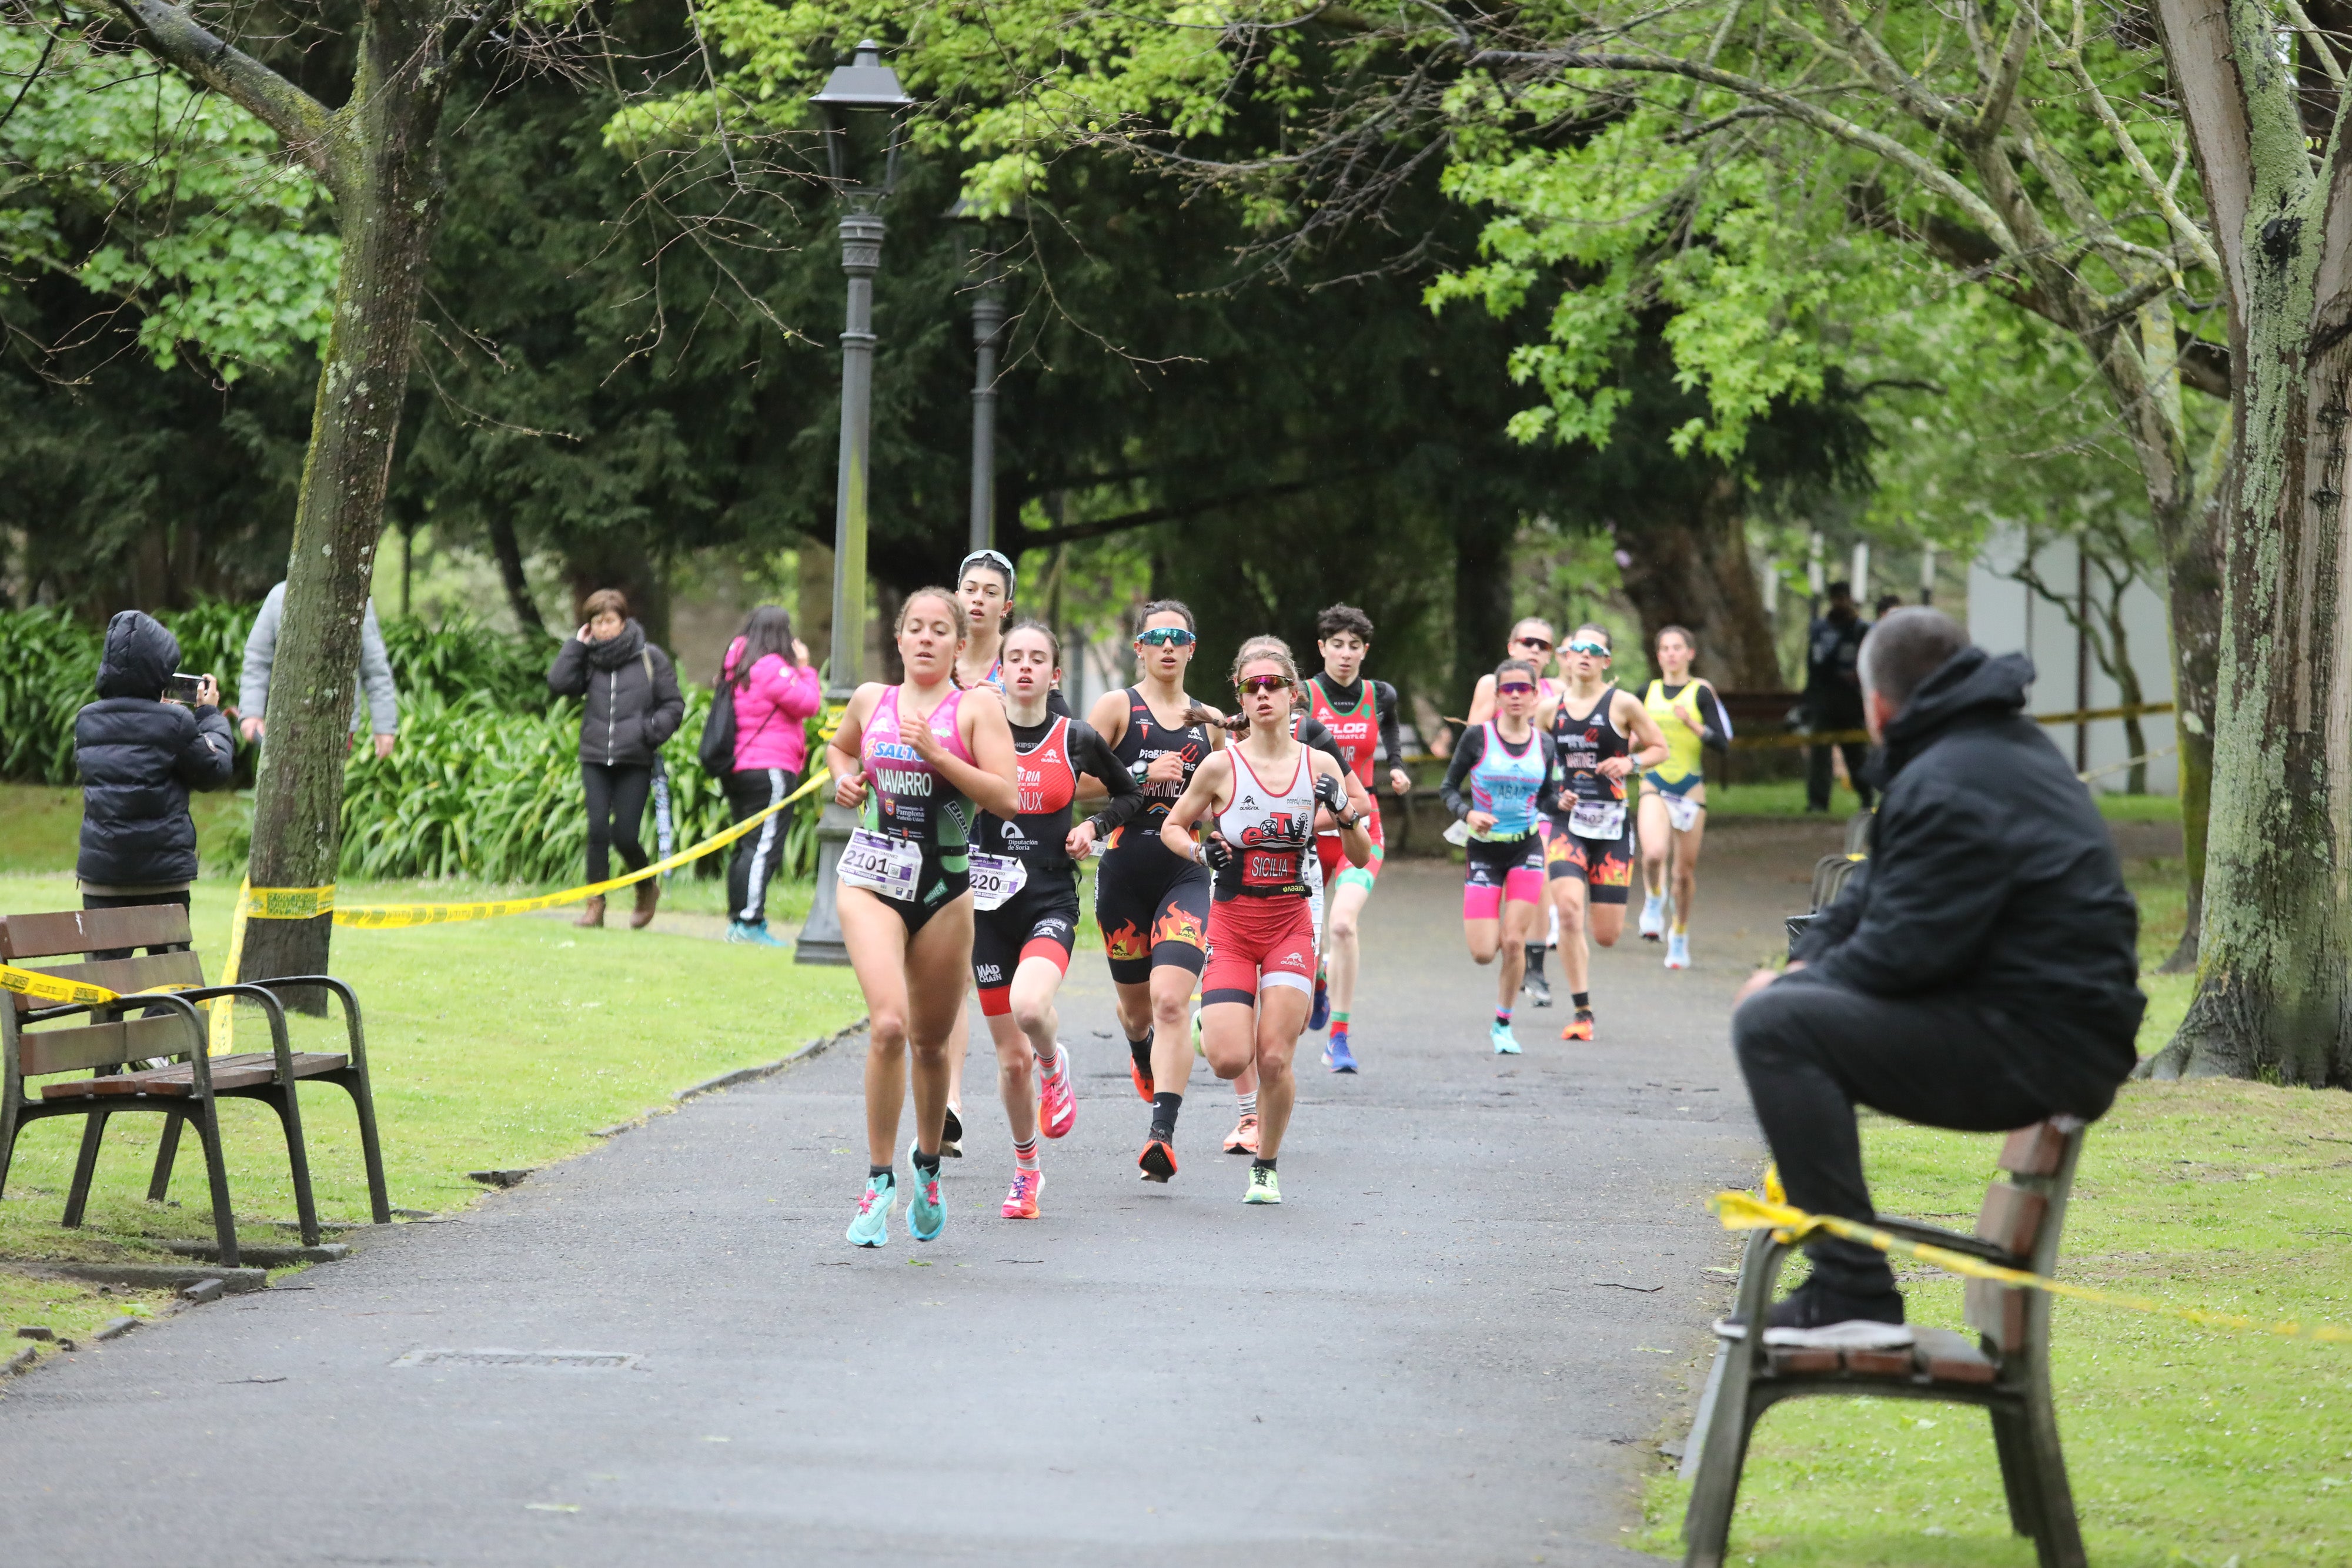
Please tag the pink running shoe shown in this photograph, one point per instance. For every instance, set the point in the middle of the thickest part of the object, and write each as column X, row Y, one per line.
column 1021, row 1203
column 1057, row 1102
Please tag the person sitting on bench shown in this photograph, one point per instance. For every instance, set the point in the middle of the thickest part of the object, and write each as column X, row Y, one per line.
column 1980, row 972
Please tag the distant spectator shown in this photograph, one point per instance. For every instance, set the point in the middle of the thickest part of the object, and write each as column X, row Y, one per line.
column 139, row 756
column 774, row 686
column 1833, row 695
column 634, row 706
column 377, row 702
column 1885, row 604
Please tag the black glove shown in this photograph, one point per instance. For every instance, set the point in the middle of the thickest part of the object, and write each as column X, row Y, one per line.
column 1217, row 852
column 1332, row 794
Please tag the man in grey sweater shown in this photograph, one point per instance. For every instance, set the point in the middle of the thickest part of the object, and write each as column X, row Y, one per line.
column 377, row 702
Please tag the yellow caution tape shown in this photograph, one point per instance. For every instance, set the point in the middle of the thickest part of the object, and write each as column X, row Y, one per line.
column 1746, row 1211
column 81, row 993
column 1862, row 737
column 288, row 903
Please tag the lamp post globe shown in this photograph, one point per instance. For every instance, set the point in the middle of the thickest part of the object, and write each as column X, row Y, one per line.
column 861, row 99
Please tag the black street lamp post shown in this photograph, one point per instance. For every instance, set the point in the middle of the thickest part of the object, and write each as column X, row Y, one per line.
column 980, row 253
column 861, row 97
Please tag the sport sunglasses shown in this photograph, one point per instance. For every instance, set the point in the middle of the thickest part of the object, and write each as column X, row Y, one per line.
column 1586, row 645
column 996, row 558
column 1165, row 637
column 1531, row 643
column 1253, row 685
column 1515, row 688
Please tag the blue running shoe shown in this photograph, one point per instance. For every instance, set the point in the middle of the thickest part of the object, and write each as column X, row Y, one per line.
column 1321, row 1013
column 1338, row 1057
column 926, row 1215
column 745, row 932
column 872, row 1225
column 1505, row 1043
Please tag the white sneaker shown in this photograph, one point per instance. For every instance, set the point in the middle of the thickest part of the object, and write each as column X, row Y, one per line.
column 1854, row 1334
column 1654, row 916
column 1678, row 950
column 1552, row 938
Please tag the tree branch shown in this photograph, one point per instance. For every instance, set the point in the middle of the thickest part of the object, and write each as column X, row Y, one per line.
column 1071, row 533
column 174, row 37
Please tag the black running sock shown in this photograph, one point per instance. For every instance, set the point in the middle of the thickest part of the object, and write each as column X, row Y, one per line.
column 1535, row 959
column 927, row 1164
column 1261, row 1164
column 1581, row 999
column 1164, row 1107
column 872, row 1171
column 1142, row 1050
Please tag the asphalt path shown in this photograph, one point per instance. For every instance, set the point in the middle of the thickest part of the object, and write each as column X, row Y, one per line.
column 1461, row 1339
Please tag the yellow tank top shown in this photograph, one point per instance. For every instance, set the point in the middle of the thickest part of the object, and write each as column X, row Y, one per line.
column 1683, row 759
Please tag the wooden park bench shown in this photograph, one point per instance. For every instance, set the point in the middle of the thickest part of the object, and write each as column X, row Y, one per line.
column 151, row 1053
column 2005, row 1368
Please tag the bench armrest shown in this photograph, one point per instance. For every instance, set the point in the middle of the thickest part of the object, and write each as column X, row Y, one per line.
column 355, row 1033
column 1950, row 1241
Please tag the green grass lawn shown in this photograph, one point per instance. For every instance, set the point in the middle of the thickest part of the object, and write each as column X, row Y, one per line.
column 1786, row 797
column 2185, row 1445
column 495, row 1044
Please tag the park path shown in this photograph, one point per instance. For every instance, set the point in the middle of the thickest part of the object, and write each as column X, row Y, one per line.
column 1459, row 1340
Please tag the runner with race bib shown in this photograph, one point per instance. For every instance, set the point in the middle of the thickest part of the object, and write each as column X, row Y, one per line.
column 1025, row 884
column 1674, row 793
column 913, row 761
column 1263, row 792
column 1600, row 733
column 1531, row 640
column 1497, row 784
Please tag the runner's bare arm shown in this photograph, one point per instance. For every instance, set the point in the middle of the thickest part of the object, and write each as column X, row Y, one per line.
column 994, row 785
column 1481, row 701
column 1649, row 747
column 1354, row 836
column 1108, row 716
column 841, row 751
column 1200, row 798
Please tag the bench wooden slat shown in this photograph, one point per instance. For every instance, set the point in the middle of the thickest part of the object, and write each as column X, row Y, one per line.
column 2010, row 1217
column 246, row 1070
column 122, row 974
column 1948, row 1357
column 1996, row 1312
column 93, row 930
column 44, row 1050
column 2034, row 1151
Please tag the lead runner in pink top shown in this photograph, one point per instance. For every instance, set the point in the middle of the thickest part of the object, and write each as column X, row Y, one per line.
column 915, row 760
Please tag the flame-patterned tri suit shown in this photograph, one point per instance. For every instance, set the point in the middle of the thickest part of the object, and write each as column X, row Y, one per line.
column 1152, row 906
column 1040, row 920
column 1591, row 830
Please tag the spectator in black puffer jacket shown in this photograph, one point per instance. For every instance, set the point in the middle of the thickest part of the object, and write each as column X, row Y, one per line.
column 139, row 756
column 634, row 706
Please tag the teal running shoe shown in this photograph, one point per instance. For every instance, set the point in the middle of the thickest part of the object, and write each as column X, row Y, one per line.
column 745, row 932
column 1504, row 1041
column 926, row 1215
column 872, row 1225
column 1264, row 1186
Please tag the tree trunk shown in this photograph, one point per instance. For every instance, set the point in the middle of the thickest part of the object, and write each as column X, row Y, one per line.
column 2193, row 583
column 508, row 551
column 1692, row 571
column 388, row 203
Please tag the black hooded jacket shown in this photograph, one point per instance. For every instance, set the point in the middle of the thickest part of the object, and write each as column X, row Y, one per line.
column 138, row 758
column 1991, row 875
column 634, row 703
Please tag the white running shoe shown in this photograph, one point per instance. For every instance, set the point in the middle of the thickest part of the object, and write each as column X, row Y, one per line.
column 1677, row 949
column 1654, row 916
column 1551, row 938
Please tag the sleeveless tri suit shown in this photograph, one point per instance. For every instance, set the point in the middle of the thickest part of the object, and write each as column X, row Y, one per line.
column 1152, row 906
column 1591, row 830
column 913, row 837
column 1262, row 924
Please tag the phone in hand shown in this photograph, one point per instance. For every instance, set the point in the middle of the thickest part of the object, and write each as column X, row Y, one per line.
column 184, row 689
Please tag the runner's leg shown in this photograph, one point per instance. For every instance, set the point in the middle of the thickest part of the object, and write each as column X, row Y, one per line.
column 1569, row 898
column 876, row 940
column 957, row 1047
column 1281, row 1015
column 939, row 970
column 1344, row 946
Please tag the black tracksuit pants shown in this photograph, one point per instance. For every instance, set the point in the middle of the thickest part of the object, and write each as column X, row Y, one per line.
column 1812, row 1051
column 760, row 851
column 616, row 811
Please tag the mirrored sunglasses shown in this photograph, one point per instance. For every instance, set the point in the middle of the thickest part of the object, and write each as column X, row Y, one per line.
column 1165, row 637
column 1254, row 685
column 1531, row 643
column 1587, row 645
column 1517, row 688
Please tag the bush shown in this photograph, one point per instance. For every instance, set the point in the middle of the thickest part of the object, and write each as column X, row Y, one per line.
column 49, row 669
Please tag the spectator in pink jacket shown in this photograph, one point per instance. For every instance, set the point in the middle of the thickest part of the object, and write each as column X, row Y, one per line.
column 768, row 676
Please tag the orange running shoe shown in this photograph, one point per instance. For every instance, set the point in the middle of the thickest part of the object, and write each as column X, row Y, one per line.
column 1158, row 1160
column 1057, row 1102
column 1021, row 1203
column 1142, row 1077
column 1243, row 1139
column 1579, row 1027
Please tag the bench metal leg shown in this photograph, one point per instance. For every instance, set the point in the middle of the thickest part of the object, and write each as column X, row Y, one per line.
column 167, row 1153
column 297, row 1159
column 8, row 1126
column 2014, row 1446
column 370, row 1147
column 1715, row 1490
column 94, row 1130
column 2058, row 1543
column 206, row 1116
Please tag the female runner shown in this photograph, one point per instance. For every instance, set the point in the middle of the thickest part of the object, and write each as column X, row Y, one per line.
column 1674, row 793
column 1508, row 769
column 1600, row 734
column 1532, row 639
column 1263, row 791
column 1026, row 896
column 1154, row 909
column 914, row 759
